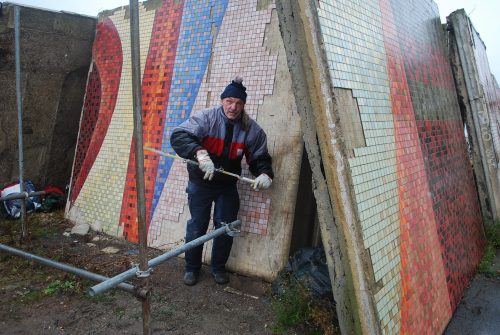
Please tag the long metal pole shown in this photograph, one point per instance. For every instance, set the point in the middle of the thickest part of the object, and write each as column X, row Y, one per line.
column 139, row 161
column 67, row 268
column 17, row 37
column 106, row 285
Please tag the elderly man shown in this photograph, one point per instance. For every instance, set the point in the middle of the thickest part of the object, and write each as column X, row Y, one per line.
column 218, row 138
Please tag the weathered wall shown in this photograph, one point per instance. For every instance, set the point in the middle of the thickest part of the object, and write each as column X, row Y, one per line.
column 190, row 50
column 480, row 103
column 397, row 158
column 55, row 56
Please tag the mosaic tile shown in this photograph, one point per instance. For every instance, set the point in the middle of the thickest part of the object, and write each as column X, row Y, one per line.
column 192, row 58
column 156, row 82
column 393, row 58
column 102, row 191
column 100, row 100
column 258, row 78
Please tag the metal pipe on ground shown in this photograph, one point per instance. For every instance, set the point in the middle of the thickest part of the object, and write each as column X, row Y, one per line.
column 22, row 195
column 70, row 269
column 106, row 285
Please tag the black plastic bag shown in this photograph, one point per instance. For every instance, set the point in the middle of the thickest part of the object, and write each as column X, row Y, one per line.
column 308, row 266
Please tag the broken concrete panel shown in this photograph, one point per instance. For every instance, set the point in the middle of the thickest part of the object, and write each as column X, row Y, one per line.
column 410, row 178
column 472, row 138
column 187, row 72
column 53, row 45
column 479, row 97
column 297, row 43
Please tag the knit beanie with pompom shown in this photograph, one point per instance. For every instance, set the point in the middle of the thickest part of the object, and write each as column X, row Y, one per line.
column 235, row 90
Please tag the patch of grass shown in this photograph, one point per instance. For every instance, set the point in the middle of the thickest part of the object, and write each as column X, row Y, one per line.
column 69, row 285
column 492, row 232
column 291, row 308
column 60, row 286
column 486, row 265
column 295, row 308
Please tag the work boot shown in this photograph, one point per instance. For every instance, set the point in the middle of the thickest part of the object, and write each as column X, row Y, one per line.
column 190, row 278
column 221, row 278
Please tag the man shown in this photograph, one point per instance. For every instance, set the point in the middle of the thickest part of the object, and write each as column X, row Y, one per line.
column 218, row 138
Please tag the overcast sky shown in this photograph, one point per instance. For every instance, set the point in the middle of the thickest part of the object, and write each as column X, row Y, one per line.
column 484, row 15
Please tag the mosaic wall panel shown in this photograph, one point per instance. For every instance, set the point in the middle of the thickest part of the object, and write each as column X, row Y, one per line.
column 99, row 201
column 412, row 178
column 229, row 54
column 190, row 50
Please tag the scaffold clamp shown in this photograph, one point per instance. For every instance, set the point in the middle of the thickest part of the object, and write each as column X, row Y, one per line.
column 233, row 232
column 142, row 274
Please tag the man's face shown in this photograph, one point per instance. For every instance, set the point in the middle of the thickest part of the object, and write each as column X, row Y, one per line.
column 232, row 107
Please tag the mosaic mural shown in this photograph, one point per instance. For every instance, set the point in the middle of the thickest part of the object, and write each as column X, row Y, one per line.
column 190, row 50
column 413, row 183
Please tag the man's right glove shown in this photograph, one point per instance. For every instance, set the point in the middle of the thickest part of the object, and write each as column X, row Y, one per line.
column 206, row 164
column 262, row 181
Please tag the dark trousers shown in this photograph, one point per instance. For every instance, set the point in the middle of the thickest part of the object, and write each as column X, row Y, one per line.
column 227, row 205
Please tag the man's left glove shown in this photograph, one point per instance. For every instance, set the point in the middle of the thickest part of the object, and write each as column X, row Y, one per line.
column 206, row 164
column 262, row 181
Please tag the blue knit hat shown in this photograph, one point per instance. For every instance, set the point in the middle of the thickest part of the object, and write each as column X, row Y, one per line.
column 235, row 90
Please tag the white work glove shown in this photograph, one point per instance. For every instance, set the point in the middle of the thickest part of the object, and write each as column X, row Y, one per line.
column 262, row 181
column 206, row 164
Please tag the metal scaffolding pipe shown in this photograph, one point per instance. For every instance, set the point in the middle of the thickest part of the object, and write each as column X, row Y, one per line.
column 68, row 268
column 139, row 160
column 22, row 195
column 17, row 42
column 110, row 283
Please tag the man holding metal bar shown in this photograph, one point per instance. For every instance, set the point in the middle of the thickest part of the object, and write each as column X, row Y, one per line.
column 218, row 138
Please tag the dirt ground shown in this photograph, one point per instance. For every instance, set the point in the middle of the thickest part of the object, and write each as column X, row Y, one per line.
column 36, row 299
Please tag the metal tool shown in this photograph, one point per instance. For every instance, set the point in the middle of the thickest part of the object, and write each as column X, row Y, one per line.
column 188, row 161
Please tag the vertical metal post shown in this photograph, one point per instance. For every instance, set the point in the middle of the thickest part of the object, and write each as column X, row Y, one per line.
column 139, row 159
column 17, row 38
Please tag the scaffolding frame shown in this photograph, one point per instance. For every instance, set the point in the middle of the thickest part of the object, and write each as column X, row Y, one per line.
column 143, row 269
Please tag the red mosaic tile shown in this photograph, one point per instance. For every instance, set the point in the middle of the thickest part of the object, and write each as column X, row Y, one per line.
column 455, row 202
column 425, row 305
column 100, row 100
column 156, row 83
